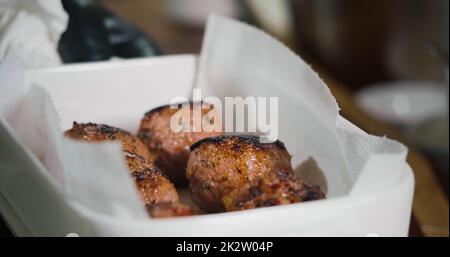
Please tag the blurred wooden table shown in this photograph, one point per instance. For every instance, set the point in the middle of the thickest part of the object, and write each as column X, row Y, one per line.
column 430, row 207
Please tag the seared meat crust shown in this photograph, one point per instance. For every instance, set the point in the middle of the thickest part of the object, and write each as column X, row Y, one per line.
column 155, row 190
column 171, row 148
column 228, row 173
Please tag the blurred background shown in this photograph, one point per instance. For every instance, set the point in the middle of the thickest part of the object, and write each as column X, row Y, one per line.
column 386, row 62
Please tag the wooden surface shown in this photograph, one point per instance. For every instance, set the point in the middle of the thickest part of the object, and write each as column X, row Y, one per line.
column 430, row 207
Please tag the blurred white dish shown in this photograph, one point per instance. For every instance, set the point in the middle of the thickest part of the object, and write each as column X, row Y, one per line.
column 404, row 102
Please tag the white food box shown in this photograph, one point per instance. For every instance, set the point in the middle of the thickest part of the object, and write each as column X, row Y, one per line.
column 369, row 185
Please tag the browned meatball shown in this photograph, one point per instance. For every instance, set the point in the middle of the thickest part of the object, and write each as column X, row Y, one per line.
column 275, row 189
column 100, row 132
column 171, row 148
column 228, row 173
column 155, row 190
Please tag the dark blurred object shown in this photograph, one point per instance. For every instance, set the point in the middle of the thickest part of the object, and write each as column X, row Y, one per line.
column 368, row 41
column 86, row 38
column 4, row 229
column 438, row 52
column 127, row 41
column 95, row 34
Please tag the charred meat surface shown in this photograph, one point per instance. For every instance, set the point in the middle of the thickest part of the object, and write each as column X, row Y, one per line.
column 100, row 132
column 172, row 147
column 155, row 190
column 236, row 172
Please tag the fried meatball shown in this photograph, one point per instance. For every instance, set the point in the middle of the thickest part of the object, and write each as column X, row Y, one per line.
column 155, row 190
column 235, row 172
column 99, row 132
column 171, row 148
column 275, row 189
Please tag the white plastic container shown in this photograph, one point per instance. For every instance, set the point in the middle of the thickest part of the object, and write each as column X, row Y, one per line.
column 33, row 203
